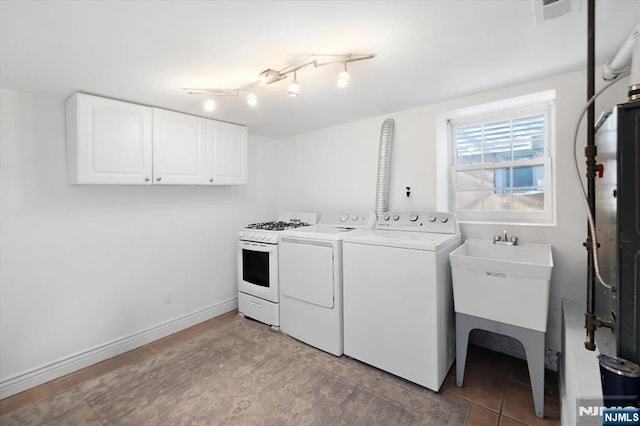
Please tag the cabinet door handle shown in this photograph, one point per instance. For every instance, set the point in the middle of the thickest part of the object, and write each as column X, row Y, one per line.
column 146, row 179
column 210, row 179
column 158, row 178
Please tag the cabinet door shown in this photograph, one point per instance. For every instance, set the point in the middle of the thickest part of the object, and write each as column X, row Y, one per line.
column 226, row 153
column 108, row 142
column 178, row 148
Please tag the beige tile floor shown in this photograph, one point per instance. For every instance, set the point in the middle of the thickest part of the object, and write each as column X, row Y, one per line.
column 496, row 386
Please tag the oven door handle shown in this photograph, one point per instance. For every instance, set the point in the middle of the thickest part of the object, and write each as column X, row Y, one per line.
column 267, row 248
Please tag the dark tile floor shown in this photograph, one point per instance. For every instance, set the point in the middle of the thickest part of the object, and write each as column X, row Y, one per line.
column 498, row 390
column 496, row 386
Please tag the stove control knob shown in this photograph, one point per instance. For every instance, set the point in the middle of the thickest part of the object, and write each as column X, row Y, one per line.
column 413, row 217
column 241, row 234
column 396, row 217
column 444, row 219
column 262, row 237
column 252, row 236
column 432, row 218
column 354, row 217
column 344, row 217
column 386, row 217
column 269, row 237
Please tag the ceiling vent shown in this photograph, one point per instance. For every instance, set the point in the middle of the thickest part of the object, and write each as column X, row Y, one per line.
column 543, row 10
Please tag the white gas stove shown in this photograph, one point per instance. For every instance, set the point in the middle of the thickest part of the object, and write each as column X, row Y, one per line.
column 258, row 280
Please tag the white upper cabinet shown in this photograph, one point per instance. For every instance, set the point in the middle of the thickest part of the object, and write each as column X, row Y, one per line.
column 179, row 155
column 226, row 153
column 108, row 142
column 115, row 142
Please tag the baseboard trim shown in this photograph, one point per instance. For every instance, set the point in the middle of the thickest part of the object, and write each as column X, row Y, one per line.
column 33, row 377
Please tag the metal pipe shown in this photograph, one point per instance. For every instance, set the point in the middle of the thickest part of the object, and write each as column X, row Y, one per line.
column 590, row 153
column 384, row 164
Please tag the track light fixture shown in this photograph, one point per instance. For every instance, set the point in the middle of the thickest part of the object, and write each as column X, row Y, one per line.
column 270, row 76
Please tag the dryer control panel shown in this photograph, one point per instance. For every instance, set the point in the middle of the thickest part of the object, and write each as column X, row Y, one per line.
column 419, row 221
column 364, row 219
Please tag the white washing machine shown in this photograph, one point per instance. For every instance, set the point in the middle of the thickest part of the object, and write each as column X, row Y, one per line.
column 310, row 263
column 398, row 300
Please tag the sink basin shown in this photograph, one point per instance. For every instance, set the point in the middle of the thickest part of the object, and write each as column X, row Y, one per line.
column 508, row 284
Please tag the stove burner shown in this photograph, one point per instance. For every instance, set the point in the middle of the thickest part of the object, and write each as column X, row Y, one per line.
column 278, row 225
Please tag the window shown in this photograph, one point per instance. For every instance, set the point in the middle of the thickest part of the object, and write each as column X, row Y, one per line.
column 500, row 161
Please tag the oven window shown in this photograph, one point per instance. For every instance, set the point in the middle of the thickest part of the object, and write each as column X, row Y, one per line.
column 255, row 267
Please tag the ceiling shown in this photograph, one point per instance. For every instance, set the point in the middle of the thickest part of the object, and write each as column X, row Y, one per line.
column 426, row 51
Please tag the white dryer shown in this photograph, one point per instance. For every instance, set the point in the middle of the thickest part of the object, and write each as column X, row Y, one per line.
column 310, row 264
column 398, row 302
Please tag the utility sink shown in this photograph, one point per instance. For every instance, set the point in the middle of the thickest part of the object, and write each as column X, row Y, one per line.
column 508, row 284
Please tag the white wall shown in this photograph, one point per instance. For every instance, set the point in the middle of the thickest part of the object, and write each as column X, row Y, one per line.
column 83, row 269
column 336, row 168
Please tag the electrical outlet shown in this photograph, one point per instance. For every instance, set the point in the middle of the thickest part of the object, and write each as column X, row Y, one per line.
column 168, row 297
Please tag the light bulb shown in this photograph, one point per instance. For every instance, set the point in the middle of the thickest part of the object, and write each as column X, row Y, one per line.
column 294, row 87
column 210, row 105
column 343, row 79
column 252, row 99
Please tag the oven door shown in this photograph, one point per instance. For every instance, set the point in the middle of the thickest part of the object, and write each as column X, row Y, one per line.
column 258, row 270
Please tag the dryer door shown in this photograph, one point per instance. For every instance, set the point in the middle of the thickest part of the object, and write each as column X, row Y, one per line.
column 307, row 271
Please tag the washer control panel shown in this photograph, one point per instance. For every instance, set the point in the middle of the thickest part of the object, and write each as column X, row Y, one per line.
column 419, row 221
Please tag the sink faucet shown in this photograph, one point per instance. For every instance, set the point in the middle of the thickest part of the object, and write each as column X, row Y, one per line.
column 505, row 240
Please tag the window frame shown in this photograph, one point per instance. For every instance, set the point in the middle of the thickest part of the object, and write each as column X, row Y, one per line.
column 542, row 103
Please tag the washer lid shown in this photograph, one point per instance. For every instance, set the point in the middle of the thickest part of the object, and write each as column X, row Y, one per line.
column 401, row 239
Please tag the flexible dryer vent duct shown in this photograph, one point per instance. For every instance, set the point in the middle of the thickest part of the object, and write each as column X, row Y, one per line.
column 384, row 164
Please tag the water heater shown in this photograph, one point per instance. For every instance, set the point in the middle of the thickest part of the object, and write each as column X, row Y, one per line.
column 618, row 225
column 628, row 198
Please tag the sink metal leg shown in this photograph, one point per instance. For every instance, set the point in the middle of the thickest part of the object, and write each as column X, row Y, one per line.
column 532, row 340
